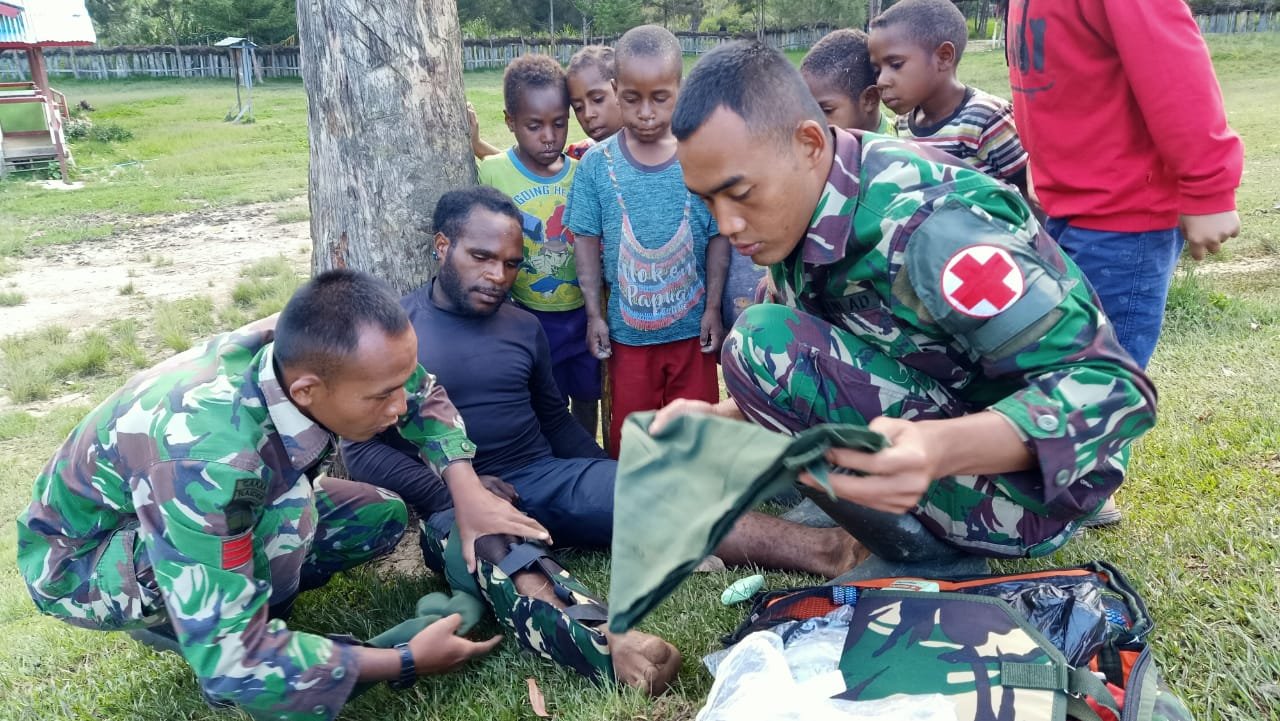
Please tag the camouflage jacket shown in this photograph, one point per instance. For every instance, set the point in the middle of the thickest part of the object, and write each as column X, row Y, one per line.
column 947, row 271
column 192, row 456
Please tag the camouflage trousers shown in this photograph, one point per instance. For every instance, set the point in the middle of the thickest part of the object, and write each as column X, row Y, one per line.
column 342, row 524
column 572, row 637
column 788, row 370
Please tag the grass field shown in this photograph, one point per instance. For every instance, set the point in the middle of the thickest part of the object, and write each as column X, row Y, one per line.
column 1200, row 539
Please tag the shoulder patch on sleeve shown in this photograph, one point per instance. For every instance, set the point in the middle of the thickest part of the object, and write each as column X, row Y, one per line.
column 982, row 280
column 980, row 277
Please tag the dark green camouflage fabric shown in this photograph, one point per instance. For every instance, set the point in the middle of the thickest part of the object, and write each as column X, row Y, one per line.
column 974, row 651
column 537, row 625
column 926, row 290
column 187, row 497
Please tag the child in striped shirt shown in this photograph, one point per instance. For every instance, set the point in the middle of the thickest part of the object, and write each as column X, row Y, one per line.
column 915, row 47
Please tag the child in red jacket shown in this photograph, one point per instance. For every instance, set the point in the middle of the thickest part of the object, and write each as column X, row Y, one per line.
column 1119, row 109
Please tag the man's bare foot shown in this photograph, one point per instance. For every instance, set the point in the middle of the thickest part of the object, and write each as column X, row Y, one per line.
column 841, row 553
column 643, row 661
column 710, row 564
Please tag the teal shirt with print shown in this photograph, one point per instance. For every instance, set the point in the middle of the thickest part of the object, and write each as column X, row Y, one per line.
column 657, row 283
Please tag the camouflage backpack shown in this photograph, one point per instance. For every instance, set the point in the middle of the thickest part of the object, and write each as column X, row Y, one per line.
column 985, row 643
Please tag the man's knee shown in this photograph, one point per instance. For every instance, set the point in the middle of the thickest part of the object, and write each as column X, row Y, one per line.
column 387, row 521
column 758, row 352
column 764, row 328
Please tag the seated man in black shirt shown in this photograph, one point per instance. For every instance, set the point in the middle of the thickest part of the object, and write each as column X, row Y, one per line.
column 495, row 363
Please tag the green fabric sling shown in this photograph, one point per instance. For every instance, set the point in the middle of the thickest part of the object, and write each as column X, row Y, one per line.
column 678, row 493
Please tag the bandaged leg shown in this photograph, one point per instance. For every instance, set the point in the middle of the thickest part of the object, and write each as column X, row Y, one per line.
column 551, row 613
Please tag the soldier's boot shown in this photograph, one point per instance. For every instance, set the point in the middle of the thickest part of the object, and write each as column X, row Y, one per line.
column 551, row 613
column 164, row 638
column 158, row 638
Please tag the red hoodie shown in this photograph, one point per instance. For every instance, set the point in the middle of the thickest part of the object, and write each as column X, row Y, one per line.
column 1117, row 104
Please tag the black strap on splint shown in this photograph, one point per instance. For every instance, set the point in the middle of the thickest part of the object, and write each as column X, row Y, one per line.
column 525, row 556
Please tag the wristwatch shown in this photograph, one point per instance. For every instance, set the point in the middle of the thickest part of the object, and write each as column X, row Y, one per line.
column 408, row 669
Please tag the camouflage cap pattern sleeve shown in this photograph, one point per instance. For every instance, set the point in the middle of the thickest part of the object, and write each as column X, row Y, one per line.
column 433, row 424
column 922, row 259
column 1044, row 356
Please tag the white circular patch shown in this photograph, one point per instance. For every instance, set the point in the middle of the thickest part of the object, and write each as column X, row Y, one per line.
column 982, row 281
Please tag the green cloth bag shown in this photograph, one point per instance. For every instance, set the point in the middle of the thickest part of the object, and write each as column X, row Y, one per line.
column 678, row 493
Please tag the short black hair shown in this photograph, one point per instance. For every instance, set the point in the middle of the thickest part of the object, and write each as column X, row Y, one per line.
column 929, row 23
column 841, row 57
column 752, row 80
column 649, row 41
column 319, row 327
column 455, row 206
column 528, row 72
column 599, row 57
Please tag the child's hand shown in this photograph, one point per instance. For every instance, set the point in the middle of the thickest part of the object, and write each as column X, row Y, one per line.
column 1206, row 233
column 598, row 338
column 474, row 122
column 712, row 330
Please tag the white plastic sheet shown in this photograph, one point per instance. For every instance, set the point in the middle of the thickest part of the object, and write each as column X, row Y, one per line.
column 765, row 678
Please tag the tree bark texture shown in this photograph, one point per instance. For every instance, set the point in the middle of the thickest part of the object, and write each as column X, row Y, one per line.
column 388, row 128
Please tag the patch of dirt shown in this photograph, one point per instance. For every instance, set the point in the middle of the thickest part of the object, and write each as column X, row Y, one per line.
column 406, row 560
column 190, row 254
column 1239, row 265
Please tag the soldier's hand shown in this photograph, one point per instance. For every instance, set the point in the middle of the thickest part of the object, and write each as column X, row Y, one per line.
column 480, row 513
column 894, row 479
column 726, row 408
column 1206, row 233
column 436, row 648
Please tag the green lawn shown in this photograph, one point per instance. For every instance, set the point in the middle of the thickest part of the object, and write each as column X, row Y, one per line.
column 1200, row 539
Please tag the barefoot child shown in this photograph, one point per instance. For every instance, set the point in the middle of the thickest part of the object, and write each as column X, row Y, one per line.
column 663, row 261
column 536, row 174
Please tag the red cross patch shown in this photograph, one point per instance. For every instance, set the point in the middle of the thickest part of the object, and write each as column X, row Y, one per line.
column 982, row 281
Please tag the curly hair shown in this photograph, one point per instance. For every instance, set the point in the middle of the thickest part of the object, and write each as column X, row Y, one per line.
column 599, row 57
column 841, row 57
column 529, row 72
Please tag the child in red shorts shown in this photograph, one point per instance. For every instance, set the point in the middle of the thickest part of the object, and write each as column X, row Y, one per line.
column 658, row 246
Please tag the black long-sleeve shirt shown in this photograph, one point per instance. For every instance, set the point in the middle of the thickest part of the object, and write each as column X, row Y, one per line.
column 497, row 371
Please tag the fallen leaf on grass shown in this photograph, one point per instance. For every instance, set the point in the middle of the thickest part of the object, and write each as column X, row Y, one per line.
column 536, row 699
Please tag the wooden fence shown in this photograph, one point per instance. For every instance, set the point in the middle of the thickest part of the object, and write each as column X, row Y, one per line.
column 1245, row 21
column 277, row 61
column 274, row 61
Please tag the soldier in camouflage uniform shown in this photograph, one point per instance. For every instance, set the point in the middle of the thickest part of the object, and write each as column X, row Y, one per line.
column 189, row 503
column 912, row 293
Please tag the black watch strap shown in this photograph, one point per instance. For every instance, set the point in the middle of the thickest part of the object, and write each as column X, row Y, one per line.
column 408, row 669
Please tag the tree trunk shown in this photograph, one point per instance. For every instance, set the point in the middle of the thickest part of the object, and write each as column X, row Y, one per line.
column 874, row 8
column 388, row 127
column 173, row 32
column 695, row 15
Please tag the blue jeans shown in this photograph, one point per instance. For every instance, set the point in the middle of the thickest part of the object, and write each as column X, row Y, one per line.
column 571, row 497
column 1130, row 272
